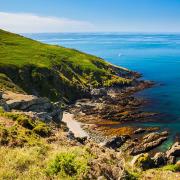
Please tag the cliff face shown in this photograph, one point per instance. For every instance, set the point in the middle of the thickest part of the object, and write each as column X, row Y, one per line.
column 53, row 71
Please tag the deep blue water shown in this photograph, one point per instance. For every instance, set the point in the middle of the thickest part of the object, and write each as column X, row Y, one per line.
column 156, row 56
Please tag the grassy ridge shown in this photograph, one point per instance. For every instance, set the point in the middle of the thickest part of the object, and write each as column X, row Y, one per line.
column 54, row 71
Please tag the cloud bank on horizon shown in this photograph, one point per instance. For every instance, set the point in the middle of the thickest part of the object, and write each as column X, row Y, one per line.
column 32, row 23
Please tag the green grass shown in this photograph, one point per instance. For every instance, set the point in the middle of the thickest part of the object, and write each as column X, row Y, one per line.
column 19, row 129
column 71, row 164
column 54, row 71
column 43, row 162
column 20, row 51
column 23, row 163
column 172, row 167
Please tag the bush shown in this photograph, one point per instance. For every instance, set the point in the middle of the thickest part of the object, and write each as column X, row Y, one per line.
column 42, row 129
column 65, row 163
column 21, row 119
column 68, row 164
column 25, row 122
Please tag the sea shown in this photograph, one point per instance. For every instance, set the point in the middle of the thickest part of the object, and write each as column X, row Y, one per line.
column 155, row 56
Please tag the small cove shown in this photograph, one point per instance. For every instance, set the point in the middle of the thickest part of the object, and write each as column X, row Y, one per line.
column 156, row 56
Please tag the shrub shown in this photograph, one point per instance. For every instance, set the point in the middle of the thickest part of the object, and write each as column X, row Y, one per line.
column 68, row 164
column 64, row 162
column 22, row 119
column 25, row 122
column 42, row 129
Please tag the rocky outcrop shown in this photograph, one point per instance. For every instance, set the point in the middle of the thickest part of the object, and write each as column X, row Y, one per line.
column 116, row 142
column 171, row 160
column 143, row 161
column 108, row 164
column 160, row 159
column 116, row 106
column 174, row 150
column 139, row 131
column 149, row 142
column 33, row 106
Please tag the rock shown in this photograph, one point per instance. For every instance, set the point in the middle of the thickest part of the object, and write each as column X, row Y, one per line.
column 34, row 106
column 70, row 135
column 155, row 135
column 143, row 161
column 99, row 92
column 178, row 163
column 139, row 131
column 4, row 105
column 160, row 159
column 116, row 142
column 26, row 102
column 135, row 159
column 149, row 142
column 81, row 140
column 174, row 150
column 135, row 140
column 99, row 168
column 171, row 160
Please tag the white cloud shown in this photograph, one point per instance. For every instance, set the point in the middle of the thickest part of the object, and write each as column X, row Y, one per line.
column 31, row 23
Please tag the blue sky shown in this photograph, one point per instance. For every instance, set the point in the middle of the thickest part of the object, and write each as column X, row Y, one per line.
column 90, row 15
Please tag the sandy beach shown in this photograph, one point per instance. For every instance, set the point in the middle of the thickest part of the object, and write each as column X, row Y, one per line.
column 73, row 125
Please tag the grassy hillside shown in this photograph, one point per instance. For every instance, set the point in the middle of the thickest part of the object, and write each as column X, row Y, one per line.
column 54, row 71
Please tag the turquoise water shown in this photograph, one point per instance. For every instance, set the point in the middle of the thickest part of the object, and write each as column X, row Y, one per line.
column 156, row 56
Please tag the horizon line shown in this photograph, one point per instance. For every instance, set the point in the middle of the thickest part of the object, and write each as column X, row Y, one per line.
column 102, row 32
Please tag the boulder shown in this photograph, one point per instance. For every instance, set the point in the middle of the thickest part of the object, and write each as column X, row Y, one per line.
column 81, row 140
column 26, row 102
column 70, row 135
column 174, row 150
column 160, row 159
column 149, row 142
column 116, row 142
column 171, row 160
column 154, row 135
column 99, row 92
column 139, row 131
column 143, row 161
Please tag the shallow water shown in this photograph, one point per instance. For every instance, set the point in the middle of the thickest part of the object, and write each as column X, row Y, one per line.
column 156, row 56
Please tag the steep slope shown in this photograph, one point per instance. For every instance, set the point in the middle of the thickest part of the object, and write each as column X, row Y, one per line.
column 54, row 71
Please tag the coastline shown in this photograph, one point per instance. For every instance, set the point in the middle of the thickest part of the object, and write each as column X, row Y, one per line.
column 107, row 116
column 104, row 136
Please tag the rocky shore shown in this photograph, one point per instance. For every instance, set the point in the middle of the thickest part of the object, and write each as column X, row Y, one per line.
column 107, row 134
column 110, row 112
column 107, row 117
